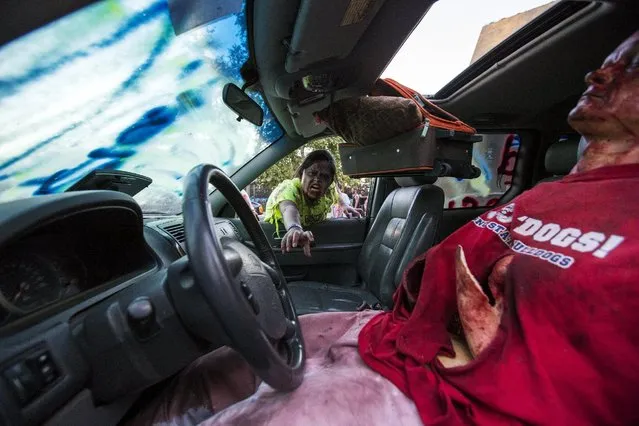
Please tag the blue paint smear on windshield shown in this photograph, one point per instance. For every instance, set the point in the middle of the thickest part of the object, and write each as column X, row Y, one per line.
column 88, row 131
column 152, row 123
column 161, row 44
column 190, row 68
column 9, row 86
column 111, row 153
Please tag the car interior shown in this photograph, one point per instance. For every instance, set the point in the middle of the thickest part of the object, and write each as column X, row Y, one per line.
column 142, row 299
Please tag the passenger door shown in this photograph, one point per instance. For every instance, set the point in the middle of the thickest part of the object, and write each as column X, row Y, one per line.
column 334, row 255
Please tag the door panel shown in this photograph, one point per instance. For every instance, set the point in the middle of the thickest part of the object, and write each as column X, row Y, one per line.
column 334, row 255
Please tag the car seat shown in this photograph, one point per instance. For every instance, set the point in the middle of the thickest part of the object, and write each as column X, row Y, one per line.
column 561, row 157
column 405, row 227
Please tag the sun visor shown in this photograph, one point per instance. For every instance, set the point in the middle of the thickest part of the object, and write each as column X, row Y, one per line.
column 189, row 14
column 424, row 151
column 328, row 30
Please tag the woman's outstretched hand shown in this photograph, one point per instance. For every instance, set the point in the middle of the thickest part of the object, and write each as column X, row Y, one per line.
column 297, row 237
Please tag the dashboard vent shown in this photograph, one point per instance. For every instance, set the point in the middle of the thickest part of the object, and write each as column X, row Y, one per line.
column 176, row 230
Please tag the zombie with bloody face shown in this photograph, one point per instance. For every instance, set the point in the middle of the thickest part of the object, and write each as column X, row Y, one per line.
column 305, row 200
column 607, row 114
column 527, row 315
column 544, row 289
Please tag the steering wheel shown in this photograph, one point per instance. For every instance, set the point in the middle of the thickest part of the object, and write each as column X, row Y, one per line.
column 246, row 291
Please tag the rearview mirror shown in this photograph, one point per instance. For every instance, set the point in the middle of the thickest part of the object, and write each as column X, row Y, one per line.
column 242, row 104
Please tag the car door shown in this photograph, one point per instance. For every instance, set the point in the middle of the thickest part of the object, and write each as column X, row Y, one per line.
column 334, row 255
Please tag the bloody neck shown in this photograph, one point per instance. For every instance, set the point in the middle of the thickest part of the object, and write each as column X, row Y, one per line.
column 602, row 152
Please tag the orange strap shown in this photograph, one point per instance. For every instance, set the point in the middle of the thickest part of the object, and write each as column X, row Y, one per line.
column 424, row 105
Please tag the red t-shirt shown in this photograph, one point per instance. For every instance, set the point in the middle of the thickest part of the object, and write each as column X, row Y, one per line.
column 567, row 347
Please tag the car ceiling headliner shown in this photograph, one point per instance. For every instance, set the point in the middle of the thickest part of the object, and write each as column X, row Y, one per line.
column 532, row 88
column 537, row 86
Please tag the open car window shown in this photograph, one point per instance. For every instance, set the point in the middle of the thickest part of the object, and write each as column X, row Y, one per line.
column 112, row 87
column 495, row 156
column 353, row 192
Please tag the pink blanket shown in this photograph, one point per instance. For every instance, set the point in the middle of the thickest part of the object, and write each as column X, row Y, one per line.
column 338, row 388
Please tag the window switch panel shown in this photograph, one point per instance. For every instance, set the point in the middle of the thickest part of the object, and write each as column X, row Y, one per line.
column 31, row 375
column 22, row 381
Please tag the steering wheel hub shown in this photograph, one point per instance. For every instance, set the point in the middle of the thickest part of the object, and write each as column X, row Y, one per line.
column 260, row 289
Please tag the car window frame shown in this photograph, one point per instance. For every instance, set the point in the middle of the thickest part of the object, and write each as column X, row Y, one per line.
column 509, row 193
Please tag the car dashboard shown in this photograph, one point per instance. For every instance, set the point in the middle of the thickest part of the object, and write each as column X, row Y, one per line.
column 49, row 263
column 67, row 261
column 35, row 275
column 64, row 261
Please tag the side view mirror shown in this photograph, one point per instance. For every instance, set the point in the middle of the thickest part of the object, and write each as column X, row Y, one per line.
column 245, row 107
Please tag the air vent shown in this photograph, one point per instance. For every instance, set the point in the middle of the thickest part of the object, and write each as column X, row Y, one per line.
column 176, row 230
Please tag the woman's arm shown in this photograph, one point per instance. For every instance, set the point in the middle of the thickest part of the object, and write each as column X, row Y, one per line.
column 295, row 235
column 290, row 214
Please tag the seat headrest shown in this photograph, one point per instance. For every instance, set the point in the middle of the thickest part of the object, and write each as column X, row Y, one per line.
column 415, row 180
column 562, row 156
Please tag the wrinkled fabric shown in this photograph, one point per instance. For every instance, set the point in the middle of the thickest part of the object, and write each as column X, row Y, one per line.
column 210, row 384
column 479, row 318
column 338, row 388
column 556, row 338
column 554, row 330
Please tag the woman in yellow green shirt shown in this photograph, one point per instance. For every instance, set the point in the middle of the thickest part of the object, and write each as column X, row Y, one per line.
column 305, row 200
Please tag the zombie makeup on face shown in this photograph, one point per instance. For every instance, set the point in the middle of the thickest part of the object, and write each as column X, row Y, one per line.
column 316, row 179
column 609, row 108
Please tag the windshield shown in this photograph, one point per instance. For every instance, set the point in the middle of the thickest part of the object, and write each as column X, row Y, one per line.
column 111, row 87
column 446, row 41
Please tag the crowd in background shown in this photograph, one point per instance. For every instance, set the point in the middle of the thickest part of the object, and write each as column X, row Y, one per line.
column 356, row 197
